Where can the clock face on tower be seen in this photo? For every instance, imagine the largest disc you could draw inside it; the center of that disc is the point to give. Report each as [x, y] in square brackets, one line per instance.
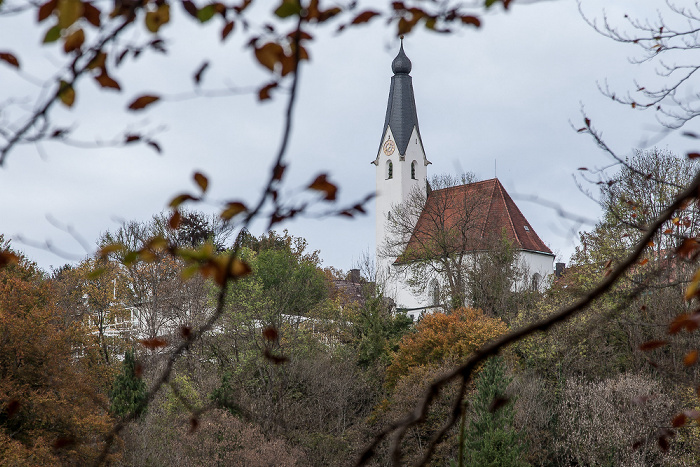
[389, 148]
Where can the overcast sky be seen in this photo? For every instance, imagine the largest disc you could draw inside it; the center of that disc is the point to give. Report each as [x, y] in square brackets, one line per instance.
[501, 99]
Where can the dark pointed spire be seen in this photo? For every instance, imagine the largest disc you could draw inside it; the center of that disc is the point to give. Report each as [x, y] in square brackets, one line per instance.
[401, 114]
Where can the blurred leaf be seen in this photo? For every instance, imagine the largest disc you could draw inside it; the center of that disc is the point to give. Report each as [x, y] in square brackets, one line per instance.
[269, 55]
[693, 155]
[174, 220]
[69, 11]
[651, 345]
[644, 261]
[153, 343]
[691, 358]
[159, 17]
[91, 14]
[46, 9]
[322, 184]
[201, 181]
[200, 71]
[179, 199]
[288, 8]
[206, 13]
[364, 17]
[275, 359]
[107, 82]
[694, 286]
[98, 61]
[108, 249]
[228, 28]
[74, 41]
[66, 93]
[264, 92]
[190, 8]
[473, 20]
[278, 172]
[12, 408]
[679, 420]
[52, 35]
[143, 101]
[7, 257]
[270, 333]
[9, 58]
[232, 209]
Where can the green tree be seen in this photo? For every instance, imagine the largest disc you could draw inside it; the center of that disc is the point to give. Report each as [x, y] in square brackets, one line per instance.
[128, 392]
[491, 440]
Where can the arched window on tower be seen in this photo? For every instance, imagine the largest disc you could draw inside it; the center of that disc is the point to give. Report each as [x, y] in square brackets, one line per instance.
[413, 170]
[389, 170]
[435, 291]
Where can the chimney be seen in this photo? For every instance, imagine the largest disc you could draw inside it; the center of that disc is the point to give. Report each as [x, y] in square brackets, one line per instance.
[559, 269]
[354, 276]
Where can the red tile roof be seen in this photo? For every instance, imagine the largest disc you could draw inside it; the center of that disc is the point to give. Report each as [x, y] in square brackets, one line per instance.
[471, 217]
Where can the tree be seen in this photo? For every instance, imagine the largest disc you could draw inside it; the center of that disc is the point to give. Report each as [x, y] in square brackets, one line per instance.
[441, 337]
[491, 439]
[128, 392]
[51, 400]
[667, 42]
[440, 248]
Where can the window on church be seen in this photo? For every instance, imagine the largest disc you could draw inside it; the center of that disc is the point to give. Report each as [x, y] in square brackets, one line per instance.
[389, 170]
[536, 279]
[413, 170]
[435, 292]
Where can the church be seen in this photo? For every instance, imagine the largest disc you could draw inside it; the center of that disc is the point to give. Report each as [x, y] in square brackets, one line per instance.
[472, 213]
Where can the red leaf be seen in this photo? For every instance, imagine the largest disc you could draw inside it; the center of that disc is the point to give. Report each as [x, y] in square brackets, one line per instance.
[227, 30]
[200, 72]
[143, 101]
[473, 20]
[153, 343]
[364, 17]
[132, 138]
[693, 155]
[190, 8]
[322, 184]
[691, 358]
[174, 221]
[91, 14]
[9, 58]
[264, 92]
[278, 172]
[107, 82]
[270, 333]
[651, 345]
[46, 9]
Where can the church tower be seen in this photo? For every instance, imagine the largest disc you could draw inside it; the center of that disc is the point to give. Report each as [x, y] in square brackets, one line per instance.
[401, 165]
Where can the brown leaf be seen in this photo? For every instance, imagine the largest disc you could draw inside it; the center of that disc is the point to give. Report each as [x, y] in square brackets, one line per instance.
[275, 359]
[691, 358]
[153, 343]
[194, 424]
[364, 17]
[64, 442]
[270, 333]
[228, 28]
[143, 101]
[190, 8]
[240, 268]
[66, 93]
[7, 257]
[473, 20]
[155, 19]
[9, 58]
[278, 172]
[651, 345]
[694, 287]
[200, 72]
[98, 61]
[12, 408]
[693, 155]
[69, 11]
[107, 82]
[185, 332]
[174, 221]
[201, 181]
[269, 55]
[46, 9]
[91, 14]
[689, 248]
[322, 184]
[155, 146]
[264, 92]
[108, 249]
[232, 209]
[644, 261]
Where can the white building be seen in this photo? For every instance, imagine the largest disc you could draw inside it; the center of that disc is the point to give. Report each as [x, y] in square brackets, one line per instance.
[402, 166]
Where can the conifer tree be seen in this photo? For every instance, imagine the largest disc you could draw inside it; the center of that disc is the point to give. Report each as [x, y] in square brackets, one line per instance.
[128, 391]
[491, 440]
